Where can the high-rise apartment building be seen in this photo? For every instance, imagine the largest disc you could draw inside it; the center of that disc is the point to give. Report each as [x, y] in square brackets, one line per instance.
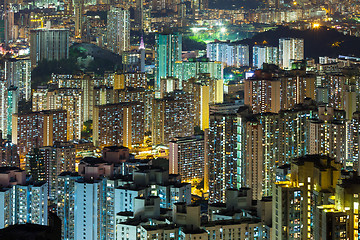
[46, 163]
[168, 84]
[257, 151]
[66, 203]
[327, 135]
[338, 219]
[87, 87]
[351, 103]
[37, 166]
[216, 51]
[312, 182]
[18, 74]
[339, 90]
[135, 80]
[79, 15]
[229, 54]
[118, 30]
[206, 91]
[296, 86]
[173, 117]
[259, 56]
[119, 124]
[262, 93]
[90, 201]
[192, 69]
[130, 94]
[38, 129]
[168, 49]
[187, 158]
[352, 143]
[290, 50]
[21, 201]
[266, 141]
[9, 99]
[85, 201]
[70, 100]
[103, 95]
[83, 83]
[264, 54]
[48, 44]
[222, 152]
[272, 55]
[232, 54]
[60, 158]
[3, 108]
[12, 107]
[9, 156]
[293, 131]
[272, 90]
[241, 56]
[39, 99]
[9, 34]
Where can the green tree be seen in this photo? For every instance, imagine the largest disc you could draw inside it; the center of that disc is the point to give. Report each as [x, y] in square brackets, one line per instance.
[87, 130]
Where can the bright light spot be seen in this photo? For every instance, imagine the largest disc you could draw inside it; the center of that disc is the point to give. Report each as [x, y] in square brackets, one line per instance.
[231, 76]
[195, 30]
[223, 30]
[316, 25]
[295, 3]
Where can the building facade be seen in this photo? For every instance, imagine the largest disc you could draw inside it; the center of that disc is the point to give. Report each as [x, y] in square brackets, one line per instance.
[21, 201]
[168, 49]
[118, 30]
[48, 44]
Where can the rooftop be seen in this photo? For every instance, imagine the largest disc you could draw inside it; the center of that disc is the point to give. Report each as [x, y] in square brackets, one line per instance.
[92, 160]
[8, 169]
[317, 159]
[232, 222]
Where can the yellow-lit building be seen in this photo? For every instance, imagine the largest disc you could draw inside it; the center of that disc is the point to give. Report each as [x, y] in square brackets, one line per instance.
[69, 99]
[187, 158]
[339, 219]
[103, 95]
[311, 184]
[206, 91]
[135, 80]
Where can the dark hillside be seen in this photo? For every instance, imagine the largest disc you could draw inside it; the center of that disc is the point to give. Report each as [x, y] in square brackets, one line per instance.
[318, 42]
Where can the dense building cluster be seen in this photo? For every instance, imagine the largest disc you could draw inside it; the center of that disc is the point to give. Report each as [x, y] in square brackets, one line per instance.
[154, 119]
